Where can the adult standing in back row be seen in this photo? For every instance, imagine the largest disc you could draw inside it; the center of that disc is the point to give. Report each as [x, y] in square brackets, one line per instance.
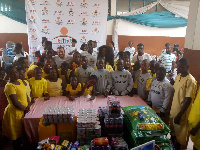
[140, 55]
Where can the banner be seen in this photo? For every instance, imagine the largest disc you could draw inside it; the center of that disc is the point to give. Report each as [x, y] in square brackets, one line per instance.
[62, 20]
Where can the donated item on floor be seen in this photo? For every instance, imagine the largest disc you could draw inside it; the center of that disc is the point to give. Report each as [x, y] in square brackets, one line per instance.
[100, 143]
[142, 125]
[87, 126]
[67, 131]
[118, 144]
[46, 130]
[111, 118]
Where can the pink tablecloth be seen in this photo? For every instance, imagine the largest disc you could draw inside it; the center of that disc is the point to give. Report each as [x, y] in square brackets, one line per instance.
[31, 119]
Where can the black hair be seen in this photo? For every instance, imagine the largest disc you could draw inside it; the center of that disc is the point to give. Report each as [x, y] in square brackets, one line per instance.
[113, 44]
[48, 44]
[140, 44]
[93, 77]
[60, 47]
[167, 44]
[18, 46]
[21, 60]
[163, 70]
[94, 41]
[76, 53]
[74, 40]
[2, 69]
[20, 67]
[8, 69]
[152, 61]
[56, 71]
[72, 75]
[128, 53]
[109, 57]
[65, 64]
[184, 61]
[44, 39]
[121, 53]
[82, 46]
[37, 69]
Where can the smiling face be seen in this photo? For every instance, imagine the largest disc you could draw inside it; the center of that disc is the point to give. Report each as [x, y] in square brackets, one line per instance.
[22, 74]
[74, 81]
[84, 61]
[61, 52]
[100, 63]
[38, 73]
[53, 74]
[120, 65]
[76, 58]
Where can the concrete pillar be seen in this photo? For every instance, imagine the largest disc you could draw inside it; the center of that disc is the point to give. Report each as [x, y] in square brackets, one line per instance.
[113, 7]
[192, 39]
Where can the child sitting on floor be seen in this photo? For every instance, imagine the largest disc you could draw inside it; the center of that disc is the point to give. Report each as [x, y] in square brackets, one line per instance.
[122, 80]
[104, 82]
[89, 87]
[83, 72]
[73, 90]
[55, 85]
[144, 80]
[38, 85]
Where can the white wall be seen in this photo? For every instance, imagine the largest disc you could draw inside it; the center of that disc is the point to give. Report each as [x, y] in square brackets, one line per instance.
[10, 26]
[132, 29]
[124, 28]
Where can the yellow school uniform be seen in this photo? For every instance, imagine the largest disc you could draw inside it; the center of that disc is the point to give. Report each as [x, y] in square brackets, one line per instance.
[184, 87]
[73, 92]
[12, 120]
[148, 84]
[108, 67]
[30, 71]
[88, 91]
[55, 88]
[38, 87]
[193, 120]
[28, 89]
[63, 76]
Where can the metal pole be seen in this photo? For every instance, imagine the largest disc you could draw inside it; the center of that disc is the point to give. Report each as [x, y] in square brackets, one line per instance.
[129, 5]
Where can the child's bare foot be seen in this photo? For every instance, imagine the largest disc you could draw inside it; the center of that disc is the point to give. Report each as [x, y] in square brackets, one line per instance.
[92, 98]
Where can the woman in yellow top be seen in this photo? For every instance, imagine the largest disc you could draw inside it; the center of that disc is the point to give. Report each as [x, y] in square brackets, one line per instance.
[64, 72]
[17, 104]
[194, 122]
[89, 87]
[39, 85]
[107, 53]
[55, 85]
[22, 78]
[73, 90]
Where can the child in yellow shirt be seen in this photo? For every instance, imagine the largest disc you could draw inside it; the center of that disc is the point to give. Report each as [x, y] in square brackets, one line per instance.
[73, 90]
[55, 85]
[89, 87]
[39, 84]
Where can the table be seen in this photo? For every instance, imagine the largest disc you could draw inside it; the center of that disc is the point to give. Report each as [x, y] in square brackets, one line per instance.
[32, 118]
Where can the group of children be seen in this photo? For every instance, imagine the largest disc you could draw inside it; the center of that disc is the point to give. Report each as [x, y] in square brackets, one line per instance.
[89, 73]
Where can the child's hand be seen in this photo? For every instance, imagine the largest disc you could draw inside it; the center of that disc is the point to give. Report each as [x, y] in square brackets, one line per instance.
[92, 98]
[116, 93]
[46, 96]
[27, 110]
[72, 98]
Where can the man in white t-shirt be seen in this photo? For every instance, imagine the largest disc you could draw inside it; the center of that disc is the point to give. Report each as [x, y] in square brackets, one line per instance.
[60, 58]
[131, 49]
[140, 55]
[71, 49]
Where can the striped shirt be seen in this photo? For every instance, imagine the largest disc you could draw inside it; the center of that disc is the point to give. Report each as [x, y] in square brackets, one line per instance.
[166, 60]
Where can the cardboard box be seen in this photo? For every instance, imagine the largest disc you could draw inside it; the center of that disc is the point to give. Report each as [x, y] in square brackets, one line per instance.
[54, 140]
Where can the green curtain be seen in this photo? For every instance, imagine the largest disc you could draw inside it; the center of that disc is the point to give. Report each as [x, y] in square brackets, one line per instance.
[163, 19]
[14, 9]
